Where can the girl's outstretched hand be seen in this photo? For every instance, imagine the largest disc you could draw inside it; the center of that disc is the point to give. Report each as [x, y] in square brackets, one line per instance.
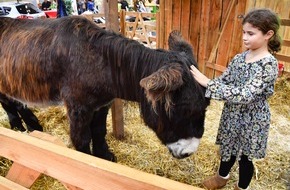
[199, 77]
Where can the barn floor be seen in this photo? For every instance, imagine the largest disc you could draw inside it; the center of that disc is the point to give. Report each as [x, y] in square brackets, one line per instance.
[141, 149]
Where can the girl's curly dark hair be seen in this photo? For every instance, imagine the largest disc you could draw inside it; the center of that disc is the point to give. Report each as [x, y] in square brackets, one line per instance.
[265, 20]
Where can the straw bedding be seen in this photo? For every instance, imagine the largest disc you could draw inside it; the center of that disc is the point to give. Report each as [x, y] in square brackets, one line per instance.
[141, 149]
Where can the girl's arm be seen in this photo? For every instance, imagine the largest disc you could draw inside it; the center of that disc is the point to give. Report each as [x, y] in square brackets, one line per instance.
[245, 94]
[226, 78]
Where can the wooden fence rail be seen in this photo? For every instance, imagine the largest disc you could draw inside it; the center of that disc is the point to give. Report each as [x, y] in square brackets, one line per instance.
[141, 27]
[286, 44]
[74, 169]
[95, 17]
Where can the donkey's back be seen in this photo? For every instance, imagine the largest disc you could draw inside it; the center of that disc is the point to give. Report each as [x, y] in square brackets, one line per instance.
[39, 57]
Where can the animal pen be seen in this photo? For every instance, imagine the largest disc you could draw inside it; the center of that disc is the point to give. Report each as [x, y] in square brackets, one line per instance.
[212, 27]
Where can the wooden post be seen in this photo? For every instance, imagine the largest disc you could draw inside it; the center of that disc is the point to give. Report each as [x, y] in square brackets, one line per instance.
[122, 22]
[112, 23]
[111, 12]
[161, 24]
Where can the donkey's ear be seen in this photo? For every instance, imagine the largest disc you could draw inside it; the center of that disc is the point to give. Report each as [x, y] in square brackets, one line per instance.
[166, 79]
[177, 43]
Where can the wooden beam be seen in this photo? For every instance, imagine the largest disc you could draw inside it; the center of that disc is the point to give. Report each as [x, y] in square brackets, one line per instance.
[25, 176]
[286, 43]
[123, 22]
[217, 67]
[161, 25]
[111, 14]
[158, 30]
[285, 21]
[22, 175]
[282, 57]
[76, 168]
[112, 23]
[118, 118]
[6, 184]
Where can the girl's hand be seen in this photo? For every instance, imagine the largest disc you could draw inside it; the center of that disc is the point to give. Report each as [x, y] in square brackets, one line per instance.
[198, 76]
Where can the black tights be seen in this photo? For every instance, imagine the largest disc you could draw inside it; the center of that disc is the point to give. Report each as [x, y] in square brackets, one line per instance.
[246, 170]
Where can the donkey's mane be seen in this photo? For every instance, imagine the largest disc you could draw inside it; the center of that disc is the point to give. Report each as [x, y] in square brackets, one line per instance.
[129, 60]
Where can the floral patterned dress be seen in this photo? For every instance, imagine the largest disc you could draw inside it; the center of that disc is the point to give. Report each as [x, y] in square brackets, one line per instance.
[245, 119]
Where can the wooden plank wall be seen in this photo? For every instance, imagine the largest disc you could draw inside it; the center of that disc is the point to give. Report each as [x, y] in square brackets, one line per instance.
[201, 22]
[213, 27]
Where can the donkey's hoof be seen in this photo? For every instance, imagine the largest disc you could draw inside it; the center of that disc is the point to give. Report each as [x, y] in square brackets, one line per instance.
[107, 156]
[111, 157]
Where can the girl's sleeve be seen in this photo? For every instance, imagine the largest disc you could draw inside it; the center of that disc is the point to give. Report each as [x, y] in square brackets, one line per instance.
[246, 93]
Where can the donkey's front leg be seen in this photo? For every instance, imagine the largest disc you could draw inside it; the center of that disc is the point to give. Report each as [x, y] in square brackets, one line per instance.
[14, 118]
[11, 110]
[80, 118]
[28, 117]
[99, 131]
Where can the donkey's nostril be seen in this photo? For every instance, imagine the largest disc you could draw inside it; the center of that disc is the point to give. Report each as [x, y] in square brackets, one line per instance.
[184, 155]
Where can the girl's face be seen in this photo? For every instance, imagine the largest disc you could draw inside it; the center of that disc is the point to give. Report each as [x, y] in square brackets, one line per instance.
[254, 38]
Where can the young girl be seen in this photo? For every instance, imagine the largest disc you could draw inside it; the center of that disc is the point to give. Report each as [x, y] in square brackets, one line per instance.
[245, 86]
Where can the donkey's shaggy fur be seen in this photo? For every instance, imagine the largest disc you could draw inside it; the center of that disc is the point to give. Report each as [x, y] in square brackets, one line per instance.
[72, 60]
